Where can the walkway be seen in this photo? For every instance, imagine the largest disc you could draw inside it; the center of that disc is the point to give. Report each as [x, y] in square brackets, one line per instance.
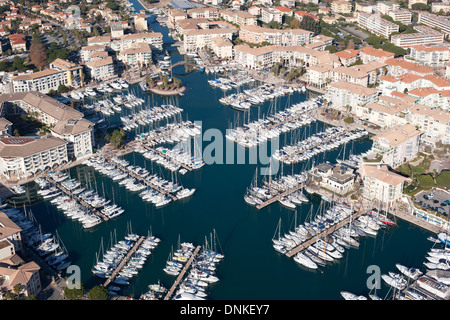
[182, 273]
[125, 260]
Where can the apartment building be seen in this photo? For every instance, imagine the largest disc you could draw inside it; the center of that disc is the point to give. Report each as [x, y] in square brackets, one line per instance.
[267, 56]
[271, 14]
[436, 7]
[434, 123]
[347, 56]
[343, 94]
[280, 37]
[153, 39]
[403, 16]
[408, 82]
[384, 115]
[384, 7]
[424, 36]
[10, 237]
[140, 21]
[206, 13]
[430, 97]
[241, 18]
[222, 47]
[397, 145]
[377, 25]
[101, 69]
[369, 54]
[196, 39]
[434, 21]
[397, 67]
[137, 54]
[22, 157]
[339, 6]
[65, 122]
[430, 55]
[382, 185]
[42, 81]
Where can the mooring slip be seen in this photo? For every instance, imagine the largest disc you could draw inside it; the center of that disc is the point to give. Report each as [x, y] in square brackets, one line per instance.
[323, 234]
[279, 196]
[182, 273]
[168, 158]
[77, 198]
[125, 260]
[135, 175]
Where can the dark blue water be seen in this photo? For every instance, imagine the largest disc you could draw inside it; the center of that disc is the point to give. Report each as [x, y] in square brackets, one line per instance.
[251, 268]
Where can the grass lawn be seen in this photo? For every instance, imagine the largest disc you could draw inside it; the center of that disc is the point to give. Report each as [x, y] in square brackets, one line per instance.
[443, 180]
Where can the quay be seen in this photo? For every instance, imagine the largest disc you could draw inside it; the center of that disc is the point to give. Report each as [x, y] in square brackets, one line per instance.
[148, 183]
[279, 196]
[416, 221]
[169, 158]
[125, 260]
[182, 273]
[323, 234]
[81, 201]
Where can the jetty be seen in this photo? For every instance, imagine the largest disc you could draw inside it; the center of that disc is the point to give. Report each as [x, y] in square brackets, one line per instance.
[165, 156]
[138, 177]
[182, 273]
[77, 198]
[323, 234]
[124, 261]
[279, 196]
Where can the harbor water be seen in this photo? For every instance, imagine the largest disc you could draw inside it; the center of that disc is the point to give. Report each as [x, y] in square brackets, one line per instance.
[251, 269]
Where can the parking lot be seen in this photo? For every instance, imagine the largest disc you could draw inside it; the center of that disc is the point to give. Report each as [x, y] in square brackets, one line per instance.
[434, 199]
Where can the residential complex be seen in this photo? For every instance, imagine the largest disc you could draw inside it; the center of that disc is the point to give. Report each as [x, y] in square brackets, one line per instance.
[434, 21]
[377, 25]
[424, 36]
[284, 37]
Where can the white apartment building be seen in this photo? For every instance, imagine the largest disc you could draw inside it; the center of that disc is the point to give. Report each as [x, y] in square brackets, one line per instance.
[342, 94]
[42, 81]
[223, 48]
[79, 135]
[430, 55]
[384, 7]
[280, 37]
[435, 21]
[424, 36]
[271, 14]
[21, 157]
[436, 7]
[377, 25]
[65, 122]
[369, 54]
[207, 13]
[397, 144]
[196, 39]
[380, 114]
[138, 54]
[267, 56]
[153, 39]
[404, 16]
[434, 123]
[100, 69]
[381, 185]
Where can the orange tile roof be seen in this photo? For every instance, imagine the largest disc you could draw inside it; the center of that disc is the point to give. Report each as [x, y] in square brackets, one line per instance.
[376, 52]
[409, 66]
[423, 92]
[346, 54]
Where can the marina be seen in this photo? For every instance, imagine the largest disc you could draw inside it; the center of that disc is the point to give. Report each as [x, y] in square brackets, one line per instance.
[246, 227]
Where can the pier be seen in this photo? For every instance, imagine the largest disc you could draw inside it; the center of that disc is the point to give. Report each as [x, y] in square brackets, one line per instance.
[182, 273]
[323, 234]
[279, 196]
[165, 156]
[148, 183]
[125, 260]
[81, 201]
[165, 133]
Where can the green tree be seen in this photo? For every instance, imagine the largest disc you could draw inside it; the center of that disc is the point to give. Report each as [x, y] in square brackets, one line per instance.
[62, 88]
[74, 293]
[98, 293]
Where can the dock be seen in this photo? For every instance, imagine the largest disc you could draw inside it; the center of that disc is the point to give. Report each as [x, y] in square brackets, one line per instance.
[77, 198]
[165, 133]
[279, 196]
[323, 234]
[148, 183]
[188, 168]
[182, 273]
[416, 221]
[124, 261]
